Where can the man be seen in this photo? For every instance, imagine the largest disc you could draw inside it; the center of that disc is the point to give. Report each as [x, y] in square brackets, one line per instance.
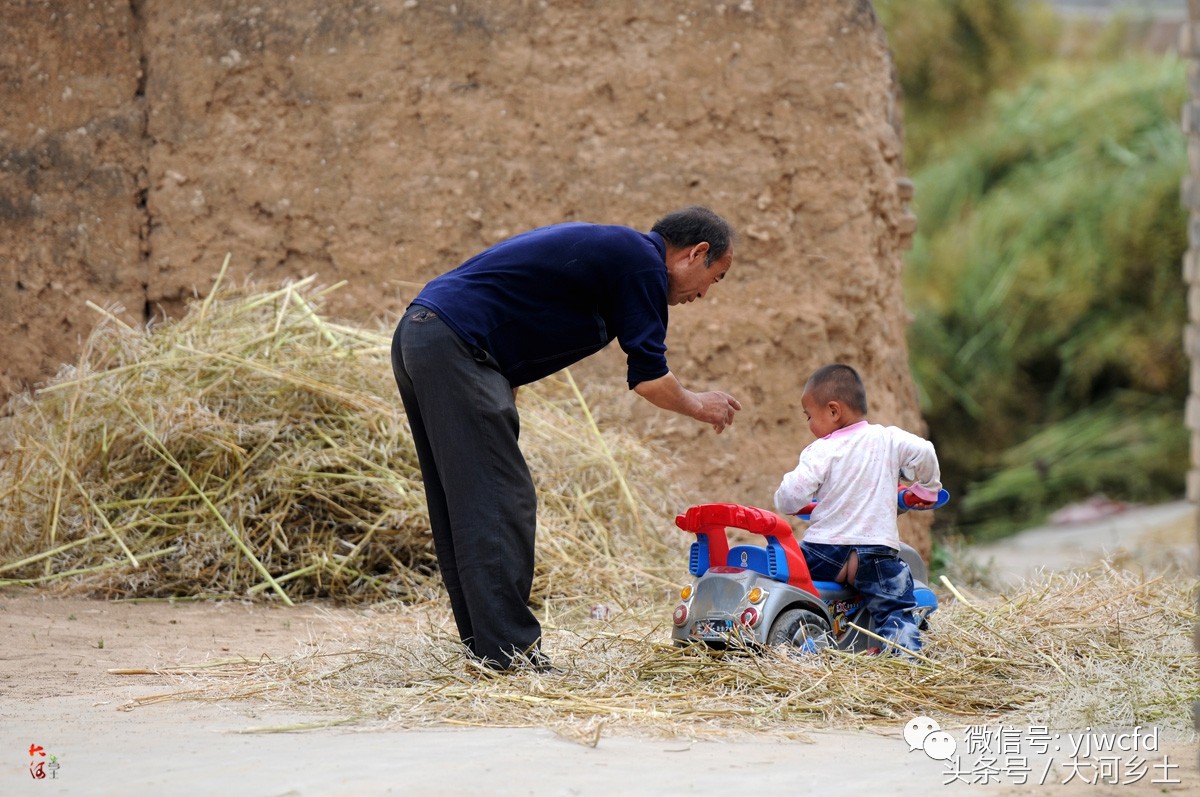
[521, 310]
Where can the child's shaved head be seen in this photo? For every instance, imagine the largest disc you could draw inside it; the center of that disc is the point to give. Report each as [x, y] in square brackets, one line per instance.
[838, 382]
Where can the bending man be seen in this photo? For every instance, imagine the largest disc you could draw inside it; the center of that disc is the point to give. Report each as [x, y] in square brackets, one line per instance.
[519, 311]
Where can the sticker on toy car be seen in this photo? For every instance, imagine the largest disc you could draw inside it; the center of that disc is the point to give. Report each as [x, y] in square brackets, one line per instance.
[712, 628]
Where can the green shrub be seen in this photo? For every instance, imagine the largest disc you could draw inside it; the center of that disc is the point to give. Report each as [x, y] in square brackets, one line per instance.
[951, 54]
[1046, 287]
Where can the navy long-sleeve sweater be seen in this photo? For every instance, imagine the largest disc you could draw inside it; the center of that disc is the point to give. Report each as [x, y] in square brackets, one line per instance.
[547, 298]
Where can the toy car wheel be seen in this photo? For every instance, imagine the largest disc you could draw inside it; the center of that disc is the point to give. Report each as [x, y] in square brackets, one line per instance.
[800, 628]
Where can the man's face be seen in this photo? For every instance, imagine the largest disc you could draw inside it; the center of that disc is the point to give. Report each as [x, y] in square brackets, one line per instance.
[690, 279]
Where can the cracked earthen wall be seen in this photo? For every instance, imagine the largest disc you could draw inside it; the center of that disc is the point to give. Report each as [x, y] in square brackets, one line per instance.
[381, 143]
[73, 157]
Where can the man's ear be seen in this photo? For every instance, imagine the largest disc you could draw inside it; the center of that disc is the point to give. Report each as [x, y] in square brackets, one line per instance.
[699, 250]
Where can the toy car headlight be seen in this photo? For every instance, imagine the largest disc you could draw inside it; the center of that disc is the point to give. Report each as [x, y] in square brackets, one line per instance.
[686, 592]
[681, 614]
[756, 595]
[749, 617]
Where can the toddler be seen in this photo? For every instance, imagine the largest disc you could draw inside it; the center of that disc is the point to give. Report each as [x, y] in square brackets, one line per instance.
[851, 471]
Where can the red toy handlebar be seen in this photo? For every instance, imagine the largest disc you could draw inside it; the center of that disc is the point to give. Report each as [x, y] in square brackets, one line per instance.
[710, 521]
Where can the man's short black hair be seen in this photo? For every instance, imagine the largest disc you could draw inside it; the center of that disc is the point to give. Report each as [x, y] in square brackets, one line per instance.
[695, 224]
[839, 382]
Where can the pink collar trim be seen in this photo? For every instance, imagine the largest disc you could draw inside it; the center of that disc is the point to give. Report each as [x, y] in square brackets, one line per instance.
[845, 431]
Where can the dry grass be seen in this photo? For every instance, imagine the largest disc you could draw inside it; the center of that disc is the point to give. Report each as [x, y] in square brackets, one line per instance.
[255, 450]
[1099, 648]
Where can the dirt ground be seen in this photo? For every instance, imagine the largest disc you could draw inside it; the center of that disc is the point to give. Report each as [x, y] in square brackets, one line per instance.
[58, 692]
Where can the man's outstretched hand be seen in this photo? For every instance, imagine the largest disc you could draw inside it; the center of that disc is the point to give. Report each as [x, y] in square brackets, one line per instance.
[717, 409]
[714, 407]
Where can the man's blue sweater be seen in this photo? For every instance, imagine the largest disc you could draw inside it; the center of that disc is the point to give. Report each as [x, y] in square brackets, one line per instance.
[547, 298]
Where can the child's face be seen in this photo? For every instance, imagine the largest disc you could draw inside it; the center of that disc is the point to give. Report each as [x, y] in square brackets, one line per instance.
[824, 418]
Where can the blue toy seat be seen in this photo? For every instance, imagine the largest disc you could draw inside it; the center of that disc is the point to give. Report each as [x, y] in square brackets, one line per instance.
[758, 559]
[832, 590]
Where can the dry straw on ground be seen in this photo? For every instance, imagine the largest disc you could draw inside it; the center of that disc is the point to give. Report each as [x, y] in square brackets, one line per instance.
[256, 450]
[1101, 648]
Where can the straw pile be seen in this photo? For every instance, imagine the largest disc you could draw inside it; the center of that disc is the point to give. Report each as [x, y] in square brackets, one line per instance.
[254, 448]
[1105, 647]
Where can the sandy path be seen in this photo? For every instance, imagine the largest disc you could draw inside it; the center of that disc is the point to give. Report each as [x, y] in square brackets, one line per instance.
[56, 692]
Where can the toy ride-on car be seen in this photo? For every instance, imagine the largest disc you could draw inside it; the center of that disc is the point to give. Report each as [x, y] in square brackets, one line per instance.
[752, 595]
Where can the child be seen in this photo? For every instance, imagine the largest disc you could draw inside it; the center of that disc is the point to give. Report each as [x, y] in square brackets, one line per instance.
[851, 470]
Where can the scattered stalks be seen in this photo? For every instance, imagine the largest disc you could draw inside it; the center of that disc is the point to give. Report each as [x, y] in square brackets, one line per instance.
[1057, 653]
[253, 450]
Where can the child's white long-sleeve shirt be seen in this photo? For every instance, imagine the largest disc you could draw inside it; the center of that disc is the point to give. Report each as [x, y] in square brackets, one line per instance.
[853, 474]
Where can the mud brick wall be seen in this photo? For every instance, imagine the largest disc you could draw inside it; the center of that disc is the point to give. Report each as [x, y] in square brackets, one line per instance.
[72, 177]
[381, 143]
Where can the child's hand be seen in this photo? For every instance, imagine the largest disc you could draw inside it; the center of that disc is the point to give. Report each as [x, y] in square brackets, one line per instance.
[908, 499]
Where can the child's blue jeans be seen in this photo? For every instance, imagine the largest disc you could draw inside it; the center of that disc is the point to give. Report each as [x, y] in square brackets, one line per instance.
[884, 580]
